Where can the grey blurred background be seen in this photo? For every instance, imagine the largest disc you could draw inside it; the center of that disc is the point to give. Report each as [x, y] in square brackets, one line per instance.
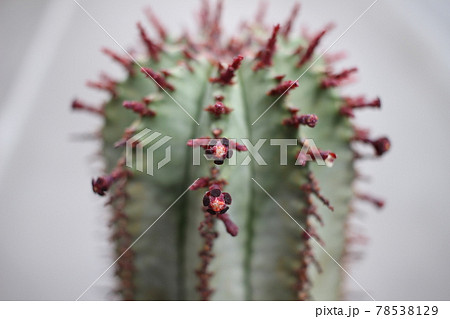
[53, 233]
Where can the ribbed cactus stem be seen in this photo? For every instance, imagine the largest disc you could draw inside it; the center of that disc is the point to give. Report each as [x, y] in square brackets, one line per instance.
[271, 194]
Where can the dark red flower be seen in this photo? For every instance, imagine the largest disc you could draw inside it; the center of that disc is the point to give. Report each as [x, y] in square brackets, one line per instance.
[216, 201]
[218, 150]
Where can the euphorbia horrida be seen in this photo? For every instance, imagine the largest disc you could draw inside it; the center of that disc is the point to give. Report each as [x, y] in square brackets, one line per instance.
[250, 231]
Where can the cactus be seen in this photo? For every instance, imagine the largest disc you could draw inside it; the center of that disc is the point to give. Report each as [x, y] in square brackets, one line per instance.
[251, 231]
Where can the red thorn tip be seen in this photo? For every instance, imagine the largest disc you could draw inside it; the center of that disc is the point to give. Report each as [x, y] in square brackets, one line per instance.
[279, 78]
[333, 80]
[124, 61]
[380, 145]
[78, 105]
[375, 201]
[261, 13]
[331, 58]
[202, 141]
[152, 48]
[200, 183]
[226, 76]
[312, 186]
[101, 185]
[106, 83]
[296, 120]
[217, 132]
[156, 24]
[231, 227]
[218, 109]
[361, 134]
[129, 132]
[204, 14]
[265, 55]
[214, 23]
[288, 26]
[312, 233]
[240, 148]
[356, 103]
[283, 88]
[311, 47]
[235, 46]
[158, 78]
[166, 73]
[188, 55]
[293, 110]
[139, 108]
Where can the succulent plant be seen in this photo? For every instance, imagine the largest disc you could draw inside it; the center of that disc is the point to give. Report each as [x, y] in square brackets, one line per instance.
[244, 224]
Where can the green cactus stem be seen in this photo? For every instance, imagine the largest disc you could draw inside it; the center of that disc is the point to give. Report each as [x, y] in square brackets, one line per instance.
[252, 231]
